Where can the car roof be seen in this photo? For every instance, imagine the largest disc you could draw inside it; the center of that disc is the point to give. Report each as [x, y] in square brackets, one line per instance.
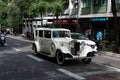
[52, 29]
[76, 33]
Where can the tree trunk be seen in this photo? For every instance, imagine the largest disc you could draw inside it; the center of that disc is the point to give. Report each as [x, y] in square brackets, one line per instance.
[115, 24]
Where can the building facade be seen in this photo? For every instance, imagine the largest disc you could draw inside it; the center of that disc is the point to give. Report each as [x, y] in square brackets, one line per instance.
[84, 16]
[91, 16]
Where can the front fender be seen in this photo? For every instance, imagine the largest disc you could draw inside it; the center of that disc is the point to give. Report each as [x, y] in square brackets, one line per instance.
[64, 50]
[86, 50]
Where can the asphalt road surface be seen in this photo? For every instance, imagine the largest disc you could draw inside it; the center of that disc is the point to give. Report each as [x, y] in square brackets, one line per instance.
[17, 62]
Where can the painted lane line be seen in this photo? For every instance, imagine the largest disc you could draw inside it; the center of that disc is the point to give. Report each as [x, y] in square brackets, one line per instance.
[71, 74]
[35, 58]
[16, 49]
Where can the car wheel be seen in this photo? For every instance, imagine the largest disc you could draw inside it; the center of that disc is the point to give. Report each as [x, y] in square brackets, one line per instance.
[35, 50]
[87, 60]
[60, 58]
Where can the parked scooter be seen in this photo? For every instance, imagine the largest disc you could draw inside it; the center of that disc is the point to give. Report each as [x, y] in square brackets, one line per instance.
[2, 39]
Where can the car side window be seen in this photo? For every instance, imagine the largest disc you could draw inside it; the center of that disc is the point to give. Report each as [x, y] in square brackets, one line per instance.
[55, 34]
[40, 33]
[47, 34]
[36, 33]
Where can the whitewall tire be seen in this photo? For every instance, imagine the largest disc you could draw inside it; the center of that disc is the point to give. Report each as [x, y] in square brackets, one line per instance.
[60, 58]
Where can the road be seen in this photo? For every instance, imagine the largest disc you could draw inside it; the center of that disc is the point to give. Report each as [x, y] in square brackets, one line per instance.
[17, 62]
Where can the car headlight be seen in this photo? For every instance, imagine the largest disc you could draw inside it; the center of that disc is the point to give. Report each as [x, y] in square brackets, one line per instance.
[71, 44]
[83, 43]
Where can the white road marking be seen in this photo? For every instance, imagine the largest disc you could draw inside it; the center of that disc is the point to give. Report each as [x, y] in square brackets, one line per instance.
[35, 58]
[71, 74]
[16, 49]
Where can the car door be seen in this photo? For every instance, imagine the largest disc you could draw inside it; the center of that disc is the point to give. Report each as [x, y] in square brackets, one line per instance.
[47, 42]
[41, 39]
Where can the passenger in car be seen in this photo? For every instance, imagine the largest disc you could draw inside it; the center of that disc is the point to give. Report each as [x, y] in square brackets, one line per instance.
[55, 34]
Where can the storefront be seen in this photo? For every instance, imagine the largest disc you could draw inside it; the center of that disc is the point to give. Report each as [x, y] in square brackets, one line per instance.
[67, 23]
[87, 26]
[99, 24]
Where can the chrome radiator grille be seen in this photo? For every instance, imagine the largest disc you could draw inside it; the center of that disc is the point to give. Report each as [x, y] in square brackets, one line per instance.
[76, 48]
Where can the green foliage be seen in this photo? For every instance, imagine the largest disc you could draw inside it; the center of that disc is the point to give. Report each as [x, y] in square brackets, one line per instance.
[106, 44]
[33, 12]
[23, 5]
[2, 12]
[13, 15]
[51, 26]
[2, 6]
[58, 7]
[111, 35]
[42, 6]
[37, 8]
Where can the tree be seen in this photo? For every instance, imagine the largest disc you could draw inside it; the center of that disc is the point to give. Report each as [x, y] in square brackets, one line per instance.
[13, 13]
[3, 13]
[115, 18]
[38, 9]
[17, 11]
[57, 7]
[23, 5]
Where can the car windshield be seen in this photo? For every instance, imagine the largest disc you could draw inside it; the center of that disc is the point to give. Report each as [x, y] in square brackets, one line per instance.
[61, 34]
[78, 36]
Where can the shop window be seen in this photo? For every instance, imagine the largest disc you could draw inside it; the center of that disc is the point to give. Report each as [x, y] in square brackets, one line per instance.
[99, 2]
[86, 3]
[103, 2]
[117, 1]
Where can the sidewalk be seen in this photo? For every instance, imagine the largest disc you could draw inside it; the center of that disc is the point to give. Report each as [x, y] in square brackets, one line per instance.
[109, 53]
[19, 37]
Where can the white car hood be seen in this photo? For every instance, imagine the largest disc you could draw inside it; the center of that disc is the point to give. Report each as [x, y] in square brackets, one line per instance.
[87, 42]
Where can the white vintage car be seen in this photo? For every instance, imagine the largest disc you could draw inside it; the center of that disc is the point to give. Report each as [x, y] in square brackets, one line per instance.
[57, 43]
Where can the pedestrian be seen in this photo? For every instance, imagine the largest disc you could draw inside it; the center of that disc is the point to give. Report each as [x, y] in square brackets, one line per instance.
[99, 36]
